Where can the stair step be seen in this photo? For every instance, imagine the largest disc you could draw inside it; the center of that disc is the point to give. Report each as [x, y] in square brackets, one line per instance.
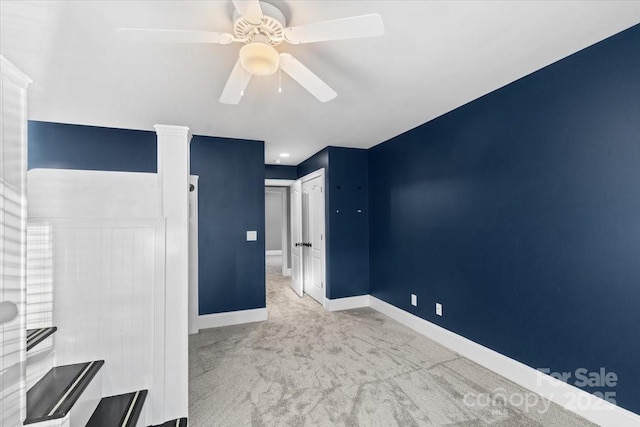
[180, 422]
[54, 395]
[118, 411]
[36, 336]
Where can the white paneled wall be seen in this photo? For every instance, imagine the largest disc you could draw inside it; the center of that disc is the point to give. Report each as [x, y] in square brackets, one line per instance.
[107, 294]
[40, 360]
[39, 298]
[108, 246]
[39, 275]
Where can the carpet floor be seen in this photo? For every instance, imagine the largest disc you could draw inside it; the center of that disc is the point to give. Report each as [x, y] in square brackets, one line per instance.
[309, 367]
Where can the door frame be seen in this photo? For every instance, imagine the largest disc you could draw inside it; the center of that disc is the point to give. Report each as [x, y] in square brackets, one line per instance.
[194, 310]
[297, 259]
[285, 184]
[284, 220]
[315, 174]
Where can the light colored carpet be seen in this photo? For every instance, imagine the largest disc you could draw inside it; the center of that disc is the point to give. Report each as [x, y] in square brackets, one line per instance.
[309, 367]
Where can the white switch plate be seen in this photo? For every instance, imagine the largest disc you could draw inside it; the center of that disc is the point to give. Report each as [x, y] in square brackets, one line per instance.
[439, 309]
[414, 300]
[252, 236]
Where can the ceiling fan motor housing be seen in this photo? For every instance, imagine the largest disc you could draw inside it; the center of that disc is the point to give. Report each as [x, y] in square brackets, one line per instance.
[269, 31]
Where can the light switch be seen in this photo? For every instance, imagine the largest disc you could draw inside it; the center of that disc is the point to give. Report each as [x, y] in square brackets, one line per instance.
[252, 236]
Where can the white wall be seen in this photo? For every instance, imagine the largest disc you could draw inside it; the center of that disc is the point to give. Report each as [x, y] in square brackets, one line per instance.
[273, 219]
[39, 310]
[108, 275]
[105, 298]
[39, 275]
[57, 193]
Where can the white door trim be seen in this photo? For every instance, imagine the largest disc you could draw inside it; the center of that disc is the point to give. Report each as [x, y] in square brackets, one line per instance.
[283, 190]
[308, 177]
[312, 175]
[193, 256]
[278, 182]
[297, 279]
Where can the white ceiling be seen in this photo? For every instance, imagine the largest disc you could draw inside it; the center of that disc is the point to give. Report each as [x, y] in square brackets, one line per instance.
[434, 57]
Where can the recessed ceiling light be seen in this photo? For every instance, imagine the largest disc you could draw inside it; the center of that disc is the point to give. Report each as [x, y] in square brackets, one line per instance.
[284, 154]
[278, 161]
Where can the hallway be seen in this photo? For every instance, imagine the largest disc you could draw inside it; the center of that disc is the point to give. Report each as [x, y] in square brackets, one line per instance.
[309, 367]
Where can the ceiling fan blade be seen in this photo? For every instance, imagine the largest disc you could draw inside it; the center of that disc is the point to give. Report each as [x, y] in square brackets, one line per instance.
[336, 29]
[306, 78]
[250, 10]
[236, 84]
[174, 36]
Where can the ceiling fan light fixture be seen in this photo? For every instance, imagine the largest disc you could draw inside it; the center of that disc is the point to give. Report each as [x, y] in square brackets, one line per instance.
[259, 59]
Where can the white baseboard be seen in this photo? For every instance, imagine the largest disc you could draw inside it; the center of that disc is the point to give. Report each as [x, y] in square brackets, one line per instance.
[232, 318]
[346, 303]
[570, 397]
[274, 252]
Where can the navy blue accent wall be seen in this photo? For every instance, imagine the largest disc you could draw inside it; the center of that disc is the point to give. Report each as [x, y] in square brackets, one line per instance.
[346, 192]
[64, 146]
[520, 212]
[231, 202]
[280, 172]
[349, 225]
[231, 198]
[317, 161]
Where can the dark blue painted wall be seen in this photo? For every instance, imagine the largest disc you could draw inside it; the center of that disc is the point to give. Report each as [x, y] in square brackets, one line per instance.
[520, 212]
[346, 192]
[64, 146]
[317, 161]
[231, 201]
[280, 172]
[231, 198]
[349, 222]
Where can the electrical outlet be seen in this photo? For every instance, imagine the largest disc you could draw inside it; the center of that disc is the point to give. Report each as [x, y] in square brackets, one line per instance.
[439, 309]
[414, 300]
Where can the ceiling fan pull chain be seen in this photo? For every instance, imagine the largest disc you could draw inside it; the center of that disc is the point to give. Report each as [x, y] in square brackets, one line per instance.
[279, 80]
[241, 81]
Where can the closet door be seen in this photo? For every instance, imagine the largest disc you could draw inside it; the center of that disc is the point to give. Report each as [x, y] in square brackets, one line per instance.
[13, 216]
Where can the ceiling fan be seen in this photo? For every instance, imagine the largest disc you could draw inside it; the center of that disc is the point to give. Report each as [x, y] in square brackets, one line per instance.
[262, 26]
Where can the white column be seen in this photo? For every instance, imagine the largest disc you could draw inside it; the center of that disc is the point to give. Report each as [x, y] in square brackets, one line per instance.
[13, 226]
[173, 175]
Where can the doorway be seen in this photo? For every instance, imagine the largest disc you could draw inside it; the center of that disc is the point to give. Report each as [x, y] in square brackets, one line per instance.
[278, 224]
[308, 236]
[277, 227]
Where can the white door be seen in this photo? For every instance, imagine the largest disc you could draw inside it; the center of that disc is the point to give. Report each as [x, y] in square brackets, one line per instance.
[296, 238]
[313, 236]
